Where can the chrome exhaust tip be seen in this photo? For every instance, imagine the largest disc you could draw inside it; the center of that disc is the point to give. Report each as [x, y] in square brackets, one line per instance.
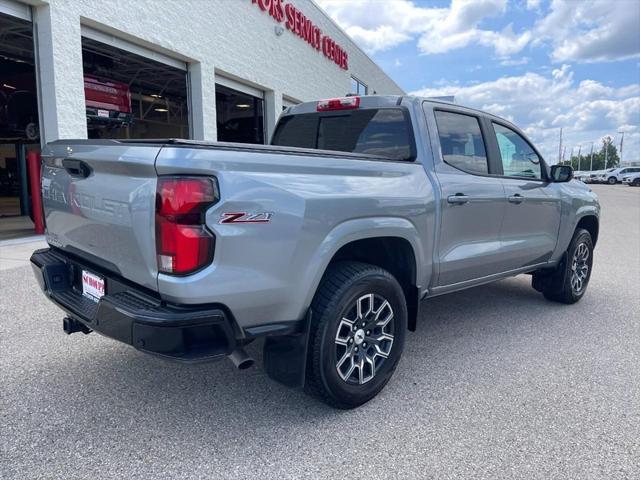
[241, 359]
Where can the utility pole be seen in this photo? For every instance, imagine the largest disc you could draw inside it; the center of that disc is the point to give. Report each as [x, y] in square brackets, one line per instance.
[560, 153]
[591, 164]
[564, 150]
[571, 157]
[579, 158]
[606, 153]
[621, 140]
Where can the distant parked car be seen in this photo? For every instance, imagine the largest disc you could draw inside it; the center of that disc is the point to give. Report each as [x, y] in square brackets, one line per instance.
[615, 175]
[633, 180]
[590, 176]
[582, 176]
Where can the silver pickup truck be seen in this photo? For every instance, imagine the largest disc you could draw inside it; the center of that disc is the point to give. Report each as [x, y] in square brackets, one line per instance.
[324, 243]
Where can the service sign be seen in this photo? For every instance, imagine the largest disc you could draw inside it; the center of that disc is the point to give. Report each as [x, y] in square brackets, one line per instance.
[296, 22]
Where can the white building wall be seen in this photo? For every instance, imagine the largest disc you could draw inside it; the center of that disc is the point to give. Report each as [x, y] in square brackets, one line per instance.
[233, 38]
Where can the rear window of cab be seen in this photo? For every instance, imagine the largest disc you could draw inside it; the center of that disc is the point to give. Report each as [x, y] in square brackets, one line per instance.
[383, 132]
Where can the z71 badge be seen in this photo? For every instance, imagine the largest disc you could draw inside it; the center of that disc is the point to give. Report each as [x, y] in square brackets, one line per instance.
[244, 217]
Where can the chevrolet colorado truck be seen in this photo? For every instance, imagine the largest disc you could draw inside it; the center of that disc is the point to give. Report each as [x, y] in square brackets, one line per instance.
[324, 243]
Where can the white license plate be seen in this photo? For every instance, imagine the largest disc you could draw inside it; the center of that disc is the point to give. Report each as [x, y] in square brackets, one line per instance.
[92, 285]
[103, 113]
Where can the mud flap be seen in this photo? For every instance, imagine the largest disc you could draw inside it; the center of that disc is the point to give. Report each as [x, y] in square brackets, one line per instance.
[285, 356]
[550, 279]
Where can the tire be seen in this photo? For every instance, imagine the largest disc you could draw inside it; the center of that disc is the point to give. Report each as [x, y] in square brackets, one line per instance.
[346, 366]
[31, 131]
[568, 283]
[612, 180]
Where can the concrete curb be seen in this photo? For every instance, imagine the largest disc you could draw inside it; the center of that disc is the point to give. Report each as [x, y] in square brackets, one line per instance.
[21, 240]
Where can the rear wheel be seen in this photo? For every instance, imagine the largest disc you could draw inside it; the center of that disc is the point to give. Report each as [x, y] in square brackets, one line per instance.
[612, 180]
[357, 334]
[568, 282]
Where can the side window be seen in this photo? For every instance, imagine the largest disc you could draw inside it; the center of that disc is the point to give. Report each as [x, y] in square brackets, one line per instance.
[518, 158]
[461, 142]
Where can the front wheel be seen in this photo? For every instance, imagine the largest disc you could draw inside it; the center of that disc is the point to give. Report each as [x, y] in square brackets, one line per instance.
[357, 334]
[568, 282]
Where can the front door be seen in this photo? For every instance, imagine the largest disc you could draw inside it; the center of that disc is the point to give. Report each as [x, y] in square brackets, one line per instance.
[532, 216]
[472, 201]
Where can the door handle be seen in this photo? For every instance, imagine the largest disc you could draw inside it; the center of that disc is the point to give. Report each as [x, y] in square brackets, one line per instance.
[76, 168]
[458, 199]
[517, 199]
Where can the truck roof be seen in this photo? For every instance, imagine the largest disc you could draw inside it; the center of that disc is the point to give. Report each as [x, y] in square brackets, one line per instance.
[386, 101]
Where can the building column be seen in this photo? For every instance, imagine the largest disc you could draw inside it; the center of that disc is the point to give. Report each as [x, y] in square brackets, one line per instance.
[202, 85]
[60, 74]
[272, 111]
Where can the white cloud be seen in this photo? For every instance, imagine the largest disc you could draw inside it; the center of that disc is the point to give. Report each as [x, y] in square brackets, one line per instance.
[591, 31]
[533, 4]
[382, 38]
[541, 104]
[380, 25]
[581, 31]
[514, 62]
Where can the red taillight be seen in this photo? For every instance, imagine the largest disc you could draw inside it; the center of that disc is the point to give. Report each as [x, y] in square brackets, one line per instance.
[346, 103]
[183, 243]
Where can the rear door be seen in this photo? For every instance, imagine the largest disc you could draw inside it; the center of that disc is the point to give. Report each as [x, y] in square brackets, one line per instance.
[99, 203]
[532, 216]
[472, 200]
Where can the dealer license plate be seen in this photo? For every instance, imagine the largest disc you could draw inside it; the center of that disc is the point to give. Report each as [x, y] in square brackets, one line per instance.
[92, 285]
[103, 113]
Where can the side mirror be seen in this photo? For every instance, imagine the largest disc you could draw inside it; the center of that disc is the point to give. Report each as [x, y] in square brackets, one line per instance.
[561, 173]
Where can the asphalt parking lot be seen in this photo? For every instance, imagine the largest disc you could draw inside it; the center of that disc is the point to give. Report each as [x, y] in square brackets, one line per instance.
[496, 383]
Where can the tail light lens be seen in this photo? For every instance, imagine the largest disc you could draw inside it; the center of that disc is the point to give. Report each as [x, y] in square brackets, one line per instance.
[183, 243]
[346, 103]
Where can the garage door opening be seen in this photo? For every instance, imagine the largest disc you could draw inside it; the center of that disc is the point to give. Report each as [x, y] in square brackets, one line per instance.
[239, 115]
[19, 128]
[131, 96]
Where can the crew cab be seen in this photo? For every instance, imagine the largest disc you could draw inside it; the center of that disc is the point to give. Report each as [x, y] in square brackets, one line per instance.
[325, 243]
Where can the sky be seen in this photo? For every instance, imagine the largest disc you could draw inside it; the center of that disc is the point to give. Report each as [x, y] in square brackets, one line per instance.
[542, 64]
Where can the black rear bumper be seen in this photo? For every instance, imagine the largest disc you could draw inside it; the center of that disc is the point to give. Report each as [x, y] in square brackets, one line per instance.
[134, 316]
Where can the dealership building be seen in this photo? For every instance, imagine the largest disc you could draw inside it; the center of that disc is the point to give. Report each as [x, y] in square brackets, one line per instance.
[202, 69]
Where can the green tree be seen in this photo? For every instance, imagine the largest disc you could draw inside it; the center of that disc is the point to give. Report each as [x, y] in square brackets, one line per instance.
[608, 151]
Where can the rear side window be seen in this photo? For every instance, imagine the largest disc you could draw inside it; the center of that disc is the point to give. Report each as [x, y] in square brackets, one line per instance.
[461, 142]
[384, 132]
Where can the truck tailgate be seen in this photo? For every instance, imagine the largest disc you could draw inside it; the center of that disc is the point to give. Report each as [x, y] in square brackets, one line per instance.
[99, 203]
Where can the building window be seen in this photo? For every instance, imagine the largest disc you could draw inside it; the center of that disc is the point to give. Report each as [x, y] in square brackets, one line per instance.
[240, 116]
[358, 87]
